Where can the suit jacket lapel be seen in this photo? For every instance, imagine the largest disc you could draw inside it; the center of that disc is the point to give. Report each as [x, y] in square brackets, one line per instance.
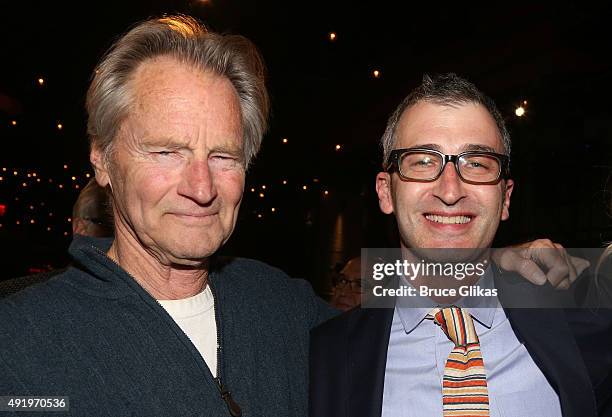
[551, 344]
[367, 356]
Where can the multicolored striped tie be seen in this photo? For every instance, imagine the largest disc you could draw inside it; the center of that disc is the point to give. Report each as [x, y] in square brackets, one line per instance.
[464, 387]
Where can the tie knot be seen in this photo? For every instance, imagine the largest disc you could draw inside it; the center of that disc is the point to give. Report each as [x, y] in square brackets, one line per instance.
[457, 325]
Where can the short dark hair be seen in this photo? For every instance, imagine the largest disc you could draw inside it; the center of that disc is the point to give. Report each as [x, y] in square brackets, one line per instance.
[446, 90]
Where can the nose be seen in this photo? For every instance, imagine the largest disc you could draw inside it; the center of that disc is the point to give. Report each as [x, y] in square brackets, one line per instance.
[197, 183]
[449, 187]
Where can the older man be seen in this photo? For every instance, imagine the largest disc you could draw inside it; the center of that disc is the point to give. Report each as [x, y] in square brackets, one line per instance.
[150, 324]
[447, 184]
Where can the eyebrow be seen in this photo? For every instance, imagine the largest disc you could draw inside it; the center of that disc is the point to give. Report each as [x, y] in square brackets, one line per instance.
[234, 150]
[464, 148]
[169, 143]
[431, 146]
[476, 147]
[164, 142]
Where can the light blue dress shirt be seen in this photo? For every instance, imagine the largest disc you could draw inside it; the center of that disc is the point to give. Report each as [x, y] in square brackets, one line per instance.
[418, 350]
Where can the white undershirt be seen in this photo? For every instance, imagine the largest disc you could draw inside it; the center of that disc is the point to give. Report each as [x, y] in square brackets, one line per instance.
[196, 317]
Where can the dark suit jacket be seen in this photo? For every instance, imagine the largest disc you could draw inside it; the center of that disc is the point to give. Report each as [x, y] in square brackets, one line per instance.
[349, 353]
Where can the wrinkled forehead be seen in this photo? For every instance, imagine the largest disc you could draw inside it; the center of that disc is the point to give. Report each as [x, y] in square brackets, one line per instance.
[449, 128]
[164, 78]
[174, 103]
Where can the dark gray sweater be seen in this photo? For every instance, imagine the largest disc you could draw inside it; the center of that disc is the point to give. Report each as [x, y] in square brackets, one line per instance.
[94, 335]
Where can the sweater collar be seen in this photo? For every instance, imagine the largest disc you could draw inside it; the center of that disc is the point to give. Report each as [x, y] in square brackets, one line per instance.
[110, 279]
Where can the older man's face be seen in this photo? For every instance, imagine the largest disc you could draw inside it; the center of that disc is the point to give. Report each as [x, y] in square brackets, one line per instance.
[426, 212]
[346, 293]
[177, 172]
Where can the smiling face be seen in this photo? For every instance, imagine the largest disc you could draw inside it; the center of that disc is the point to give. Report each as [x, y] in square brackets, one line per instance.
[177, 168]
[446, 213]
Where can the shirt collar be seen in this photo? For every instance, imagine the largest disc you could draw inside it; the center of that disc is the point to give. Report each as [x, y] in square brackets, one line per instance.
[413, 310]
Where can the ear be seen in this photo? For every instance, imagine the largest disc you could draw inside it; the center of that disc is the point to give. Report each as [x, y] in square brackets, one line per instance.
[506, 203]
[383, 189]
[99, 163]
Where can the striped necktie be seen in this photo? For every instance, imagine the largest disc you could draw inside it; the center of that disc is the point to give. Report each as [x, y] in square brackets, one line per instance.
[464, 387]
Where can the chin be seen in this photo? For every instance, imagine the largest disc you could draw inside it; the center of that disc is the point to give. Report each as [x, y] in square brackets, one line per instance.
[189, 259]
[448, 242]
[447, 250]
[192, 251]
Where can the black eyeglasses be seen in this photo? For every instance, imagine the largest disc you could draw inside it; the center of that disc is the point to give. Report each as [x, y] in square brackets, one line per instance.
[340, 281]
[426, 165]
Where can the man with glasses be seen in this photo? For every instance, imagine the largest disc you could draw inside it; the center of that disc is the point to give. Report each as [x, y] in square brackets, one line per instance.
[477, 166]
[346, 292]
[153, 323]
[446, 180]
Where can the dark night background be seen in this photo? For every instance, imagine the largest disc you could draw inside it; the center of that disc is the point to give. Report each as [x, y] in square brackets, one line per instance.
[557, 58]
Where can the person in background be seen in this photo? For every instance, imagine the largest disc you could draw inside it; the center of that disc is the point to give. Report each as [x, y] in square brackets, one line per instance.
[90, 217]
[346, 290]
[91, 214]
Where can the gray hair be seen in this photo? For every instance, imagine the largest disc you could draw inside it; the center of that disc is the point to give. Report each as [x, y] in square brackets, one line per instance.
[446, 90]
[109, 97]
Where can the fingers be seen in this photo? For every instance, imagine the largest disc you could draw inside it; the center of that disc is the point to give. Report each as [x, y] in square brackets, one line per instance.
[555, 263]
[575, 267]
[519, 261]
[548, 255]
[540, 261]
[561, 272]
[538, 243]
[580, 264]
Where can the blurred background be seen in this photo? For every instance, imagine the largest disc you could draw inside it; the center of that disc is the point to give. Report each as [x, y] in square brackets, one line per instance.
[337, 69]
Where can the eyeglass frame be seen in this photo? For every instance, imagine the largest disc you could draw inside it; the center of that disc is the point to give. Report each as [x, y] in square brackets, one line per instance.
[354, 285]
[504, 164]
